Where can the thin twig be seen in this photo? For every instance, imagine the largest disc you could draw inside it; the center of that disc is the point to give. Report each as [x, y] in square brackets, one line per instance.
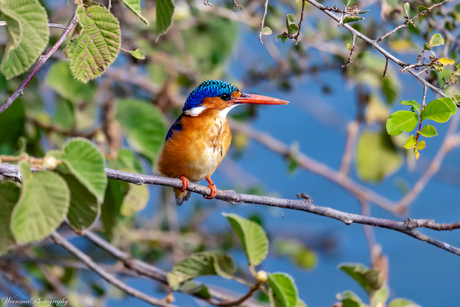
[241, 300]
[353, 128]
[150, 271]
[303, 204]
[263, 21]
[300, 22]
[410, 20]
[352, 49]
[60, 240]
[51, 25]
[20, 90]
[236, 6]
[374, 44]
[386, 68]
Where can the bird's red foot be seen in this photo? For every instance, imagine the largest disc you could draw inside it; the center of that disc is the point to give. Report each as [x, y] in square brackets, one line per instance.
[212, 186]
[184, 183]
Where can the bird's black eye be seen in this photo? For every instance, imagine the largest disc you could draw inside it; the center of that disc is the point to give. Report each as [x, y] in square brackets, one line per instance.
[225, 97]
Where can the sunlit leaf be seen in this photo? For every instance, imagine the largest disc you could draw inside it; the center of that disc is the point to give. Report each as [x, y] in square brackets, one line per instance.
[97, 45]
[135, 7]
[421, 145]
[27, 35]
[349, 299]
[412, 103]
[135, 200]
[428, 131]
[352, 19]
[380, 296]
[267, 31]
[410, 143]
[436, 40]
[445, 61]
[284, 288]
[138, 54]
[440, 110]
[407, 9]
[201, 264]
[252, 237]
[44, 201]
[401, 121]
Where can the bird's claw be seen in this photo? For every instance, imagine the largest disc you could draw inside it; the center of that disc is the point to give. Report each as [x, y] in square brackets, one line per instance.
[212, 186]
[184, 183]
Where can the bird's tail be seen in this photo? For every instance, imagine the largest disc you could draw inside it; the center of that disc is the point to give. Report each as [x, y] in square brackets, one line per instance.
[181, 196]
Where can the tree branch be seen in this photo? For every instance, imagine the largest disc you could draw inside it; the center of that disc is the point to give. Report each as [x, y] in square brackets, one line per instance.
[305, 205]
[51, 25]
[374, 44]
[263, 21]
[58, 239]
[20, 90]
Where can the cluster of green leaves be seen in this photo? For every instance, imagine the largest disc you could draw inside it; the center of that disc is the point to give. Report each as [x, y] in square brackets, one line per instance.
[439, 110]
[372, 282]
[36, 207]
[280, 287]
[95, 43]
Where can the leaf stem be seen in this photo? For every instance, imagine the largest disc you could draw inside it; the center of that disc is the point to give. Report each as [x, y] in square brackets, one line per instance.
[42, 59]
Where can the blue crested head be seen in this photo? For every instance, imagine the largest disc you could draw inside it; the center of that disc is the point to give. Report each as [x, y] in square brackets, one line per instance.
[210, 88]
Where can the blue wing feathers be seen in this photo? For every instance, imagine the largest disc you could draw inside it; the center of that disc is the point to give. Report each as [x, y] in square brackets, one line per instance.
[177, 126]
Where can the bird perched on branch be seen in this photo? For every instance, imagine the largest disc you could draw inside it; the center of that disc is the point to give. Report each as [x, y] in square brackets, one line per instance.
[199, 139]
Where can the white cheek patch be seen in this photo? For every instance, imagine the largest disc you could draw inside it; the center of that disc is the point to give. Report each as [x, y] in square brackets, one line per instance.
[195, 111]
[223, 113]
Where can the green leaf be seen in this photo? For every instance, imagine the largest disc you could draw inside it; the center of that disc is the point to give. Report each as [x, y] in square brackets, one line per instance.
[402, 302]
[290, 20]
[86, 163]
[412, 103]
[12, 120]
[284, 288]
[407, 9]
[9, 195]
[300, 255]
[135, 7]
[357, 272]
[60, 79]
[349, 299]
[97, 45]
[110, 210]
[135, 200]
[165, 11]
[126, 161]
[401, 121]
[429, 131]
[436, 40]
[376, 156]
[27, 35]
[380, 296]
[422, 8]
[421, 145]
[84, 208]
[44, 202]
[293, 29]
[267, 31]
[456, 98]
[352, 19]
[440, 110]
[191, 288]
[426, 46]
[252, 237]
[410, 143]
[138, 54]
[143, 125]
[201, 264]
[300, 303]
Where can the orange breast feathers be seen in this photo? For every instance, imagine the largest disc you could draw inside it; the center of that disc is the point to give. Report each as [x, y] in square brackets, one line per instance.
[197, 149]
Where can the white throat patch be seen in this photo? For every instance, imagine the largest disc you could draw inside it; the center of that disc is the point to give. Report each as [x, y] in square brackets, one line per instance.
[223, 113]
[195, 111]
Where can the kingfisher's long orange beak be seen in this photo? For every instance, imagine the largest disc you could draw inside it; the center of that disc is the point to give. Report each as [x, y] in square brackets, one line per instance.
[258, 99]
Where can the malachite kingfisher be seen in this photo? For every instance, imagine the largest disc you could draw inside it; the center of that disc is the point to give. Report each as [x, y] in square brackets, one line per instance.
[199, 139]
